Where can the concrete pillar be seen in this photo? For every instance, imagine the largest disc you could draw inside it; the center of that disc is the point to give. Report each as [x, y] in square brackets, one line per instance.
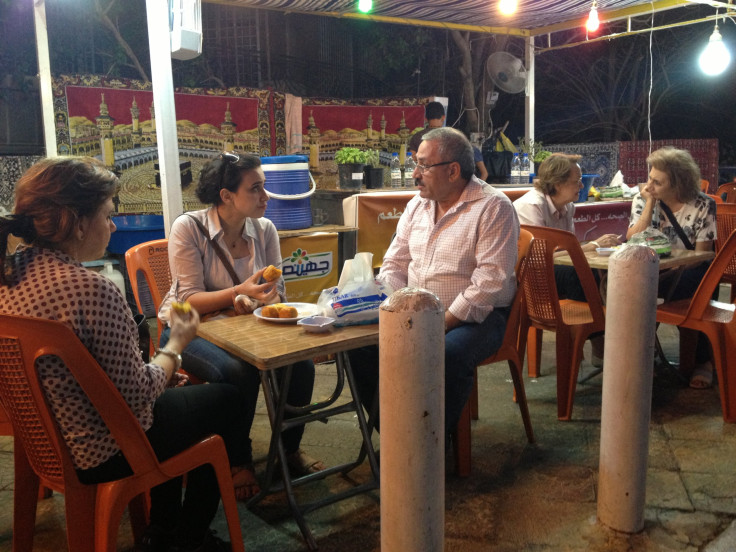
[412, 408]
[627, 387]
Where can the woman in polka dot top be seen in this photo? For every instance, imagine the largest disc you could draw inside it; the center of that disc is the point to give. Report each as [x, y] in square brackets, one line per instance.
[63, 209]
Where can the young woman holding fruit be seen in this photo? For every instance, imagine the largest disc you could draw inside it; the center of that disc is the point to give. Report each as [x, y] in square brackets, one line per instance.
[233, 185]
[63, 209]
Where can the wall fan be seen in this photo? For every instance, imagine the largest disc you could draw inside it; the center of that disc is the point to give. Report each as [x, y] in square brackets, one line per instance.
[507, 72]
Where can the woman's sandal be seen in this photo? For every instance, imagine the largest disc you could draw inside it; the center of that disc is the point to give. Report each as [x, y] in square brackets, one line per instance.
[245, 482]
[702, 377]
[300, 463]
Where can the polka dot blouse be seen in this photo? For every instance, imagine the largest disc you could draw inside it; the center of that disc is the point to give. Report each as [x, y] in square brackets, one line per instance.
[52, 285]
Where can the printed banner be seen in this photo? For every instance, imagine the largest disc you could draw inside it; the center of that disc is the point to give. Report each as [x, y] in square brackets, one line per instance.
[308, 265]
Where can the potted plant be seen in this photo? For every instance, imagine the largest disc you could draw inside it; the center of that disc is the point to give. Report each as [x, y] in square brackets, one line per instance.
[350, 163]
[373, 169]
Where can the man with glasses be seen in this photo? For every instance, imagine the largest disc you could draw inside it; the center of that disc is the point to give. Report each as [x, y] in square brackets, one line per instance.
[458, 239]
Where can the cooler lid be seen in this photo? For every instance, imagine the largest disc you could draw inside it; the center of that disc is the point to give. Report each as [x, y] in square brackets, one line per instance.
[279, 159]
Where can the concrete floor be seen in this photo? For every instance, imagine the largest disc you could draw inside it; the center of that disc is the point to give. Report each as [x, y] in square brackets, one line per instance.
[539, 497]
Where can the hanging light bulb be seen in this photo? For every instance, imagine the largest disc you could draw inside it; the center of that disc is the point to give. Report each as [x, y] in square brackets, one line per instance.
[365, 6]
[593, 21]
[507, 7]
[716, 57]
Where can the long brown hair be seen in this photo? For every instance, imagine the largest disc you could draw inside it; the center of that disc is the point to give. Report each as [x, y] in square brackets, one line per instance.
[51, 197]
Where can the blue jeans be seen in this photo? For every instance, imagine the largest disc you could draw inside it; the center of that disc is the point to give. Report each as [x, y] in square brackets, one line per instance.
[208, 362]
[465, 347]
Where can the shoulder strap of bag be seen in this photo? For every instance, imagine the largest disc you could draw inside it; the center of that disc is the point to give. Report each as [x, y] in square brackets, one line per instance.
[218, 251]
[676, 225]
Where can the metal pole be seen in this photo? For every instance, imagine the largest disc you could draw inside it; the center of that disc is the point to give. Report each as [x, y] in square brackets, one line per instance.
[44, 77]
[159, 41]
[627, 387]
[412, 409]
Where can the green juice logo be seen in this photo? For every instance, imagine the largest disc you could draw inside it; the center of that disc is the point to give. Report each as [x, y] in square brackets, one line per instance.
[302, 265]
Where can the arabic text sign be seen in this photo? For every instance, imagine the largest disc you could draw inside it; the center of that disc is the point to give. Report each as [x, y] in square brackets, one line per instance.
[308, 265]
[594, 219]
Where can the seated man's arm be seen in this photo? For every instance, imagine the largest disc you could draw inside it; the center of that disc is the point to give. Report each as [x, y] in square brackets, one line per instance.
[493, 282]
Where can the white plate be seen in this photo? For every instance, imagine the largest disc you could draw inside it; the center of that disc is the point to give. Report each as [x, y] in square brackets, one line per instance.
[303, 310]
[605, 251]
[316, 324]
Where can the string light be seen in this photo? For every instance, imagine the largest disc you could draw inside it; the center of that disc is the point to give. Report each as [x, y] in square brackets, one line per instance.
[365, 6]
[593, 21]
[507, 7]
[716, 57]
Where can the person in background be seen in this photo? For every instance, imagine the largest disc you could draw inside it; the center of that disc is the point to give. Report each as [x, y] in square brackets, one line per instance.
[480, 167]
[674, 186]
[434, 114]
[233, 185]
[551, 204]
[457, 238]
[63, 209]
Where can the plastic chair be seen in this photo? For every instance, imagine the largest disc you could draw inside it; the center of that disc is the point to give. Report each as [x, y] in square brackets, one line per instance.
[704, 185]
[150, 277]
[572, 321]
[511, 350]
[715, 320]
[729, 189]
[726, 224]
[93, 512]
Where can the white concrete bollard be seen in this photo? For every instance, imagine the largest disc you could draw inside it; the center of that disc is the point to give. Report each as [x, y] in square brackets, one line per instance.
[412, 409]
[627, 387]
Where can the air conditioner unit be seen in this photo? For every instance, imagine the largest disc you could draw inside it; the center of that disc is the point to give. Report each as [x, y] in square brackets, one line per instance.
[185, 24]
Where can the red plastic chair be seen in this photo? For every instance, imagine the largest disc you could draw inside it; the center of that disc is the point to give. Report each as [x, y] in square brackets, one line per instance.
[572, 321]
[714, 319]
[93, 512]
[726, 224]
[729, 188]
[511, 350]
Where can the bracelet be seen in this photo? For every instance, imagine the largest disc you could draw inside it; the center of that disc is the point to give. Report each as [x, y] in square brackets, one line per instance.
[176, 357]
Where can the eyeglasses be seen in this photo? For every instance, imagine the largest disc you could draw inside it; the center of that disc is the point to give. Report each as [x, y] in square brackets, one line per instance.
[424, 168]
[230, 156]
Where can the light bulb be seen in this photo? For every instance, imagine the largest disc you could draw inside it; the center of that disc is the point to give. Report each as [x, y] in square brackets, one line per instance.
[593, 22]
[507, 7]
[716, 57]
[365, 5]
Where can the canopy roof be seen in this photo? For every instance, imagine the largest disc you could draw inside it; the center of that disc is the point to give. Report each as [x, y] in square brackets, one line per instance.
[533, 17]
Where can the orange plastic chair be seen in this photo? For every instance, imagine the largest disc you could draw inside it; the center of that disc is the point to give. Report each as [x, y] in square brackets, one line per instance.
[714, 319]
[726, 224]
[511, 350]
[93, 512]
[704, 185]
[150, 278]
[729, 189]
[572, 321]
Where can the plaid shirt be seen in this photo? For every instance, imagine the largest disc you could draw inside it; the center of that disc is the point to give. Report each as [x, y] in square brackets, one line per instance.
[467, 258]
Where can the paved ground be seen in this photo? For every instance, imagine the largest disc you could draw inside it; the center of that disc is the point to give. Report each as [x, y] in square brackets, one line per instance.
[539, 497]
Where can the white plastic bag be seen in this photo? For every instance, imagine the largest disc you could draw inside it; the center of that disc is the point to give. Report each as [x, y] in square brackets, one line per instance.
[357, 296]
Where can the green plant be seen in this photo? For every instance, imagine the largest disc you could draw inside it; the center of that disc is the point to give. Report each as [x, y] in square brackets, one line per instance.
[373, 158]
[534, 149]
[350, 155]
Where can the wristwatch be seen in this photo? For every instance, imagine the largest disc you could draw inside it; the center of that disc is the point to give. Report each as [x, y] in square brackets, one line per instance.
[176, 357]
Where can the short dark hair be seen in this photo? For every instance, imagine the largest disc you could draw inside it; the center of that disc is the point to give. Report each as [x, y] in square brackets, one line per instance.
[434, 110]
[454, 146]
[224, 171]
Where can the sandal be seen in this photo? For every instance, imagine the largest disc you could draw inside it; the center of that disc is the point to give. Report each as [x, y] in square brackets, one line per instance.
[300, 463]
[245, 482]
[702, 377]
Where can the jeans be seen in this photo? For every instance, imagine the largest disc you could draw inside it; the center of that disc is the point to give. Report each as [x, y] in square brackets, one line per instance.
[181, 417]
[208, 362]
[465, 347]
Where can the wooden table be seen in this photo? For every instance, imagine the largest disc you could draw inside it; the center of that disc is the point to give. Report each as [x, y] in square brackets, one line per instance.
[269, 345]
[680, 258]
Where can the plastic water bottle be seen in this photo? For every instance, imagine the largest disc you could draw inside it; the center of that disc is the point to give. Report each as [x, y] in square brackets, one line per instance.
[525, 170]
[395, 171]
[516, 170]
[114, 275]
[409, 166]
